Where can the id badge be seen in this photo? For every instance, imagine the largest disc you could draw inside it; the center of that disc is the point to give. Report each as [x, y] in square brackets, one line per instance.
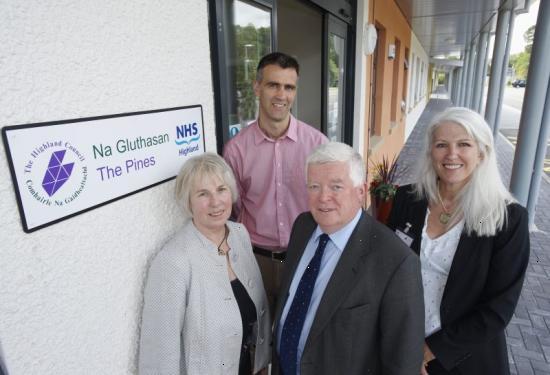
[404, 236]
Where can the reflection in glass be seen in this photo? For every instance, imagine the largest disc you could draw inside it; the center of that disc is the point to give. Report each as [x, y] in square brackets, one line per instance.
[250, 33]
[335, 90]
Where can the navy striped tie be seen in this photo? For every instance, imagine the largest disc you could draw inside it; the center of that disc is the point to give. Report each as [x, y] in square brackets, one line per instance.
[294, 322]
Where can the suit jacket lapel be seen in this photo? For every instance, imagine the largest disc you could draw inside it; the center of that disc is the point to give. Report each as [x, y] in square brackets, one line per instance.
[343, 278]
[417, 214]
[467, 245]
[418, 209]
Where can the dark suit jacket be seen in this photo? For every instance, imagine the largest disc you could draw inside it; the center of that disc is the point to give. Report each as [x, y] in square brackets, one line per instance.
[482, 289]
[371, 316]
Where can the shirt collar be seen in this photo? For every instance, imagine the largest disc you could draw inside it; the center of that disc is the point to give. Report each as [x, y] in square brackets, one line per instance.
[291, 132]
[341, 237]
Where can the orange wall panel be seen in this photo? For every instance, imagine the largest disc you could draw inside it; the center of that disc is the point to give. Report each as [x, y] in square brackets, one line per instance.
[386, 15]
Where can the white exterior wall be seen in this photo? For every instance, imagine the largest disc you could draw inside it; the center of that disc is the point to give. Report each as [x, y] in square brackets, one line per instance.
[360, 125]
[417, 98]
[71, 293]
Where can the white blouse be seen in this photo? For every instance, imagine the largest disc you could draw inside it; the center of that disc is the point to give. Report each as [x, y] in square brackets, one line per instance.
[436, 257]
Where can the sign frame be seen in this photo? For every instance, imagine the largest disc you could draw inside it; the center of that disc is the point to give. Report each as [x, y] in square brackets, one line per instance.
[15, 182]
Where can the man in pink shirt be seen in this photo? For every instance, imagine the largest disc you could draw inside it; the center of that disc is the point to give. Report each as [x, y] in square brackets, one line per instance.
[268, 159]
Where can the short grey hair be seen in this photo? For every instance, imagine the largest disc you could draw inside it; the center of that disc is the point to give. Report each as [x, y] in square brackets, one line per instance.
[339, 152]
[484, 198]
[198, 167]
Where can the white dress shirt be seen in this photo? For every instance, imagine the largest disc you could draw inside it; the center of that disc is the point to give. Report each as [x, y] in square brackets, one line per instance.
[436, 257]
[331, 256]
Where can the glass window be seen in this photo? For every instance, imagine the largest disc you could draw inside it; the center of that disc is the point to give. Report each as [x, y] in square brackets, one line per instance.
[335, 79]
[250, 39]
[335, 90]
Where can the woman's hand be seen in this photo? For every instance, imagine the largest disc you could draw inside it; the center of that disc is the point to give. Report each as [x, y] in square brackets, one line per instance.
[428, 356]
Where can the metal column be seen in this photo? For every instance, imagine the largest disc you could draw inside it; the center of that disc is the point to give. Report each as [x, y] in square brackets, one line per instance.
[464, 76]
[539, 160]
[480, 67]
[495, 82]
[503, 74]
[450, 84]
[458, 86]
[531, 130]
[470, 77]
[453, 88]
[485, 68]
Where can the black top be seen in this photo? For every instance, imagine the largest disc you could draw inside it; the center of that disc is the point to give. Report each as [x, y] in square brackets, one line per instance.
[248, 316]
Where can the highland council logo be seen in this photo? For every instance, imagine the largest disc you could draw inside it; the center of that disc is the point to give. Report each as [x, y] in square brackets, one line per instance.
[55, 174]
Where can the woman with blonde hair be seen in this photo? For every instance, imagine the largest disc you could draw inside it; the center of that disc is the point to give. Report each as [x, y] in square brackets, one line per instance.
[205, 308]
[473, 241]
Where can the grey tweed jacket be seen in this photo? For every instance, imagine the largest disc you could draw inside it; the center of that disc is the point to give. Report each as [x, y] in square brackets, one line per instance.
[191, 321]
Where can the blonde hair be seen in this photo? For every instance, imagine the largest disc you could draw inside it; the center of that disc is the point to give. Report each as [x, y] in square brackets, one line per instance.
[198, 167]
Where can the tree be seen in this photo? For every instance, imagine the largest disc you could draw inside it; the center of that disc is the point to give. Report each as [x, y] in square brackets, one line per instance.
[520, 61]
[529, 36]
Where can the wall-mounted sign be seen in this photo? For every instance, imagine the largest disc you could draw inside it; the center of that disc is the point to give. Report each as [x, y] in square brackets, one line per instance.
[62, 168]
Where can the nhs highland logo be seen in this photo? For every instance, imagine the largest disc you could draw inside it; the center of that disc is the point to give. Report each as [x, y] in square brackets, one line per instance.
[187, 138]
[55, 174]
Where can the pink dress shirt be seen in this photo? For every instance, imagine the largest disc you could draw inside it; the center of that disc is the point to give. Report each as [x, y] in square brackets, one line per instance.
[271, 179]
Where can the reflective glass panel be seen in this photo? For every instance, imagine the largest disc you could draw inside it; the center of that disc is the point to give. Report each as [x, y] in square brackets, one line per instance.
[251, 39]
[335, 82]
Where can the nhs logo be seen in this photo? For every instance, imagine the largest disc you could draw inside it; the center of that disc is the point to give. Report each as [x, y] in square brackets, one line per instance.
[187, 134]
[187, 137]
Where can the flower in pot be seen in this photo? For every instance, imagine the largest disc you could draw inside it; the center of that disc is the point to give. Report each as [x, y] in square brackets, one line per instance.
[383, 187]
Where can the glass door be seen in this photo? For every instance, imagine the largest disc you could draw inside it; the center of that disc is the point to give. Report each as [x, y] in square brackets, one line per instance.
[319, 33]
[251, 30]
[335, 79]
[243, 35]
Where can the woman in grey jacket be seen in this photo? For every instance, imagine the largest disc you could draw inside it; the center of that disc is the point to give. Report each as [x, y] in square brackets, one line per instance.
[205, 308]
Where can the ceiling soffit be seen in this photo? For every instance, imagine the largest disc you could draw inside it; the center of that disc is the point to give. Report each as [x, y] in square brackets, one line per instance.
[446, 27]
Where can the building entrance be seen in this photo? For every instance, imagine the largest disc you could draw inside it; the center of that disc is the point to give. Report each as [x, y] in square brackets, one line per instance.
[318, 33]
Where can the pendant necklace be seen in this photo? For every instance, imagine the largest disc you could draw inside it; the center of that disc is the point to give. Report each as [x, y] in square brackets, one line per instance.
[220, 251]
[445, 216]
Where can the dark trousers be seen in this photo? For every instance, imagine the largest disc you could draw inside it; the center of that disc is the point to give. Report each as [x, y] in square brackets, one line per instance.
[271, 270]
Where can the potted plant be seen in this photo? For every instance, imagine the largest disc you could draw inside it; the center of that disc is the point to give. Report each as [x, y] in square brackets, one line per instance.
[382, 188]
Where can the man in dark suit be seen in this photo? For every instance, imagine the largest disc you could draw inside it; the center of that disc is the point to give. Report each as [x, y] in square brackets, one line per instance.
[351, 294]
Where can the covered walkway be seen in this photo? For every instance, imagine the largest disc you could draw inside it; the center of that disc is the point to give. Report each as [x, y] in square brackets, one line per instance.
[529, 331]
